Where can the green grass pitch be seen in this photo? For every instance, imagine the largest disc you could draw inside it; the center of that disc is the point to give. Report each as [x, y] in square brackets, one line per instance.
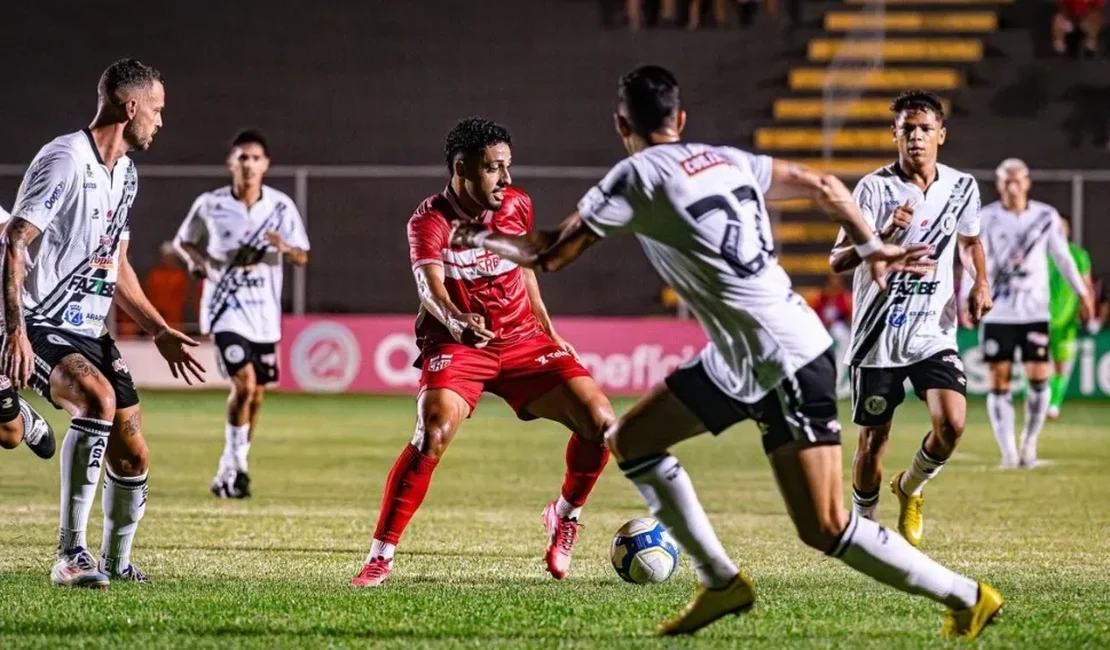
[272, 572]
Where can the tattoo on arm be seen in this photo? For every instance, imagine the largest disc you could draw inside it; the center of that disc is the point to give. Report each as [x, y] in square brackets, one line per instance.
[17, 237]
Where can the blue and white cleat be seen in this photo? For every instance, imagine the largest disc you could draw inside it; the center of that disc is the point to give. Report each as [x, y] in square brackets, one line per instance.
[77, 568]
[37, 432]
[130, 573]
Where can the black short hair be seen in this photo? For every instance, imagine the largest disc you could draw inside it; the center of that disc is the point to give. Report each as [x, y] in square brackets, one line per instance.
[469, 138]
[918, 100]
[251, 136]
[649, 96]
[125, 75]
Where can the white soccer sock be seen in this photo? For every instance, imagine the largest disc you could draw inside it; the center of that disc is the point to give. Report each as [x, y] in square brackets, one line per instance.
[1036, 410]
[1000, 408]
[566, 510]
[670, 495]
[924, 467]
[381, 549]
[82, 457]
[865, 505]
[236, 447]
[124, 503]
[886, 556]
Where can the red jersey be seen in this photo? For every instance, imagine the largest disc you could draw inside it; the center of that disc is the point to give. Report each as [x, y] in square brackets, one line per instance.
[477, 281]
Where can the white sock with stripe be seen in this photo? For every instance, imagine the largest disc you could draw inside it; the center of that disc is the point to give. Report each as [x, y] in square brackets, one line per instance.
[1000, 408]
[83, 454]
[886, 556]
[923, 468]
[124, 503]
[669, 493]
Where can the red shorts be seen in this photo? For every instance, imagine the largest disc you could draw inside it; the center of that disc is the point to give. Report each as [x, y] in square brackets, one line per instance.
[518, 372]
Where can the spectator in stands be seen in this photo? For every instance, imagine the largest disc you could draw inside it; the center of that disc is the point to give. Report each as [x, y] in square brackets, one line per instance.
[1085, 15]
[169, 287]
[833, 304]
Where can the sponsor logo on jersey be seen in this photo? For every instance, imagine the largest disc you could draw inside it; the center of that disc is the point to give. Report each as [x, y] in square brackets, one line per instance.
[256, 282]
[487, 262]
[948, 224]
[551, 356]
[235, 353]
[954, 360]
[88, 187]
[105, 240]
[59, 189]
[897, 316]
[875, 405]
[92, 286]
[73, 314]
[102, 262]
[120, 367]
[914, 287]
[439, 362]
[702, 162]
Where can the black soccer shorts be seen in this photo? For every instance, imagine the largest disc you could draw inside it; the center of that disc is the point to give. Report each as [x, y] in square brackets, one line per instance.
[802, 407]
[877, 392]
[236, 351]
[999, 340]
[52, 344]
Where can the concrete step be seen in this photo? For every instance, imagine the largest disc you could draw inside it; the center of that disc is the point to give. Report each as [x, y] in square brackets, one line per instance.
[948, 50]
[888, 79]
[806, 139]
[816, 108]
[911, 21]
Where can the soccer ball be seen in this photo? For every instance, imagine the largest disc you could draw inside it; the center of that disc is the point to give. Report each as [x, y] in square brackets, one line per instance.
[644, 552]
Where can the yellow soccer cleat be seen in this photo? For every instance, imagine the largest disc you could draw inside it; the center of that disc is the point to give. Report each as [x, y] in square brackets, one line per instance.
[709, 605]
[911, 521]
[969, 623]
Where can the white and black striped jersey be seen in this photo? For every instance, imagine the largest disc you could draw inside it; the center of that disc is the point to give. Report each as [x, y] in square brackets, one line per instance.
[915, 316]
[245, 300]
[81, 207]
[1017, 248]
[700, 215]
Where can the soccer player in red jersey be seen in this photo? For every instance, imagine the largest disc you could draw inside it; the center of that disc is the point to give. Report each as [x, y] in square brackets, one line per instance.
[482, 326]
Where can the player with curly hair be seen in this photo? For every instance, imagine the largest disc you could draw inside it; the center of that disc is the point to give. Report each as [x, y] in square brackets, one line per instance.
[483, 327]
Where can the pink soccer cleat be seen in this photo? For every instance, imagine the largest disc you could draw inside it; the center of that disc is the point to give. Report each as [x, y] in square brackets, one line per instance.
[374, 573]
[561, 536]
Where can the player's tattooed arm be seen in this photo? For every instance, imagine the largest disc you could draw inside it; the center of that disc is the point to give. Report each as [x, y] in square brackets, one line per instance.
[469, 329]
[17, 238]
[17, 357]
[542, 250]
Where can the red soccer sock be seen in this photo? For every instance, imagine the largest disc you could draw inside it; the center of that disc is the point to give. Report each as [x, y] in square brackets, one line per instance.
[585, 461]
[404, 492]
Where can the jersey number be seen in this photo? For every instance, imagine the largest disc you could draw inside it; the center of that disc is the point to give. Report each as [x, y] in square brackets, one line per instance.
[730, 244]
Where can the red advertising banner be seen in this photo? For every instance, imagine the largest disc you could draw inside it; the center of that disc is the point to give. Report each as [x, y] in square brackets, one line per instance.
[374, 354]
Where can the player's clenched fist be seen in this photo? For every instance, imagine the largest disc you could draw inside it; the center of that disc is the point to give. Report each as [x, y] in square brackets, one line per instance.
[902, 218]
[470, 329]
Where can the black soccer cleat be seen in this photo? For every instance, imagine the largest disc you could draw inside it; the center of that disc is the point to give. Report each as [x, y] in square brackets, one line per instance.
[37, 432]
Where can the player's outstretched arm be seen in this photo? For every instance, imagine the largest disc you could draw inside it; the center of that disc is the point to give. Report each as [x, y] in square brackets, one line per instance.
[171, 343]
[532, 286]
[18, 359]
[543, 250]
[795, 181]
[468, 329]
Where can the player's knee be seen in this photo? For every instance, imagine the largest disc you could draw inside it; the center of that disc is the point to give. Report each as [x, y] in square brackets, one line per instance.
[11, 434]
[950, 428]
[97, 402]
[242, 391]
[257, 395]
[434, 433]
[872, 439]
[129, 460]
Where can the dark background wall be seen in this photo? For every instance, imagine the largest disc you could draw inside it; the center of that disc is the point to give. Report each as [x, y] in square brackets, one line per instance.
[380, 82]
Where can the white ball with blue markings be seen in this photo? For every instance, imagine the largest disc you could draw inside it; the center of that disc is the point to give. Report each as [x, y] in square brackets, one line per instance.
[643, 552]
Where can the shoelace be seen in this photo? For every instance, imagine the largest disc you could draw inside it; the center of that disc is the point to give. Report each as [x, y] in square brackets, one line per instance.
[375, 568]
[84, 561]
[567, 532]
[133, 573]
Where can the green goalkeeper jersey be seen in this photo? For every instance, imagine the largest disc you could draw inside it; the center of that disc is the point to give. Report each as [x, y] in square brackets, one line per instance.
[1063, 303]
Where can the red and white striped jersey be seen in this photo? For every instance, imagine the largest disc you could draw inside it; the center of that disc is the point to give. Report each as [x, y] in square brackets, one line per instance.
[477, 281]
